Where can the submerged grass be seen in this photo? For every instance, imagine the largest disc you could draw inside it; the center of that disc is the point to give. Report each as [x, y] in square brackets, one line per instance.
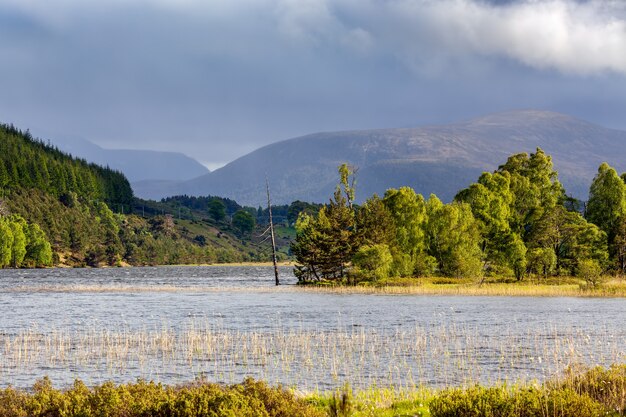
[438, 355]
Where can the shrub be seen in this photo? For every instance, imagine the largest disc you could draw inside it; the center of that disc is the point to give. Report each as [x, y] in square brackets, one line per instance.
[472, 402]
[590, 271]
[521, 402]
[606, 386]
[142, 399]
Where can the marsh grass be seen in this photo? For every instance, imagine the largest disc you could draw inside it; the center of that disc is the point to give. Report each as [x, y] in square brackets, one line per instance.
[436, 356]
[554, 287]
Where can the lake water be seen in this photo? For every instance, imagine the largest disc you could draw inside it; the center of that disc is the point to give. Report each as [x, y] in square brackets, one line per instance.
[175, 324]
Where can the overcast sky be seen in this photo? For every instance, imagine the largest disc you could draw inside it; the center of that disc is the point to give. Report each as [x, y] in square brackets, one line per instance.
[216, 79]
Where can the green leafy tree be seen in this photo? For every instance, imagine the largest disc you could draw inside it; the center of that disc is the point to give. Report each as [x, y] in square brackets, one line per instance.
[217, 209]
[372, 262]
[6, 243]
[408, 212]
[541, 261]
[453, 238]
[297, 207]
[534, 187]
[38, 249]
[570, 237]
[619, 244]
[18, 249]
[306, 249]
[347, 182]
[590, 271]
[243, 222]
[491, 201]
[606, 208]
[374, 223]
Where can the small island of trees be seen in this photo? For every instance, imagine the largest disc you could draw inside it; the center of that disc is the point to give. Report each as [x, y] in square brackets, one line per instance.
[517, 221]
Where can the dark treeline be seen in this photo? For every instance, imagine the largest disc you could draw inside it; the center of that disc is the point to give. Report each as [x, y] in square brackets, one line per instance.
[516, 221]
[27, 163]
[220, 209]
[202, 203]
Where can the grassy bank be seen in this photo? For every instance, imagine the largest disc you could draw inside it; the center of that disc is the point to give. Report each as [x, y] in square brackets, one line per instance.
[552, 287]
[582, 393]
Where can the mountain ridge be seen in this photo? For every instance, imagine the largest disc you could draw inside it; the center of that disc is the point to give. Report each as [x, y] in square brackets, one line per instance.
[440, 159]
[136, 164]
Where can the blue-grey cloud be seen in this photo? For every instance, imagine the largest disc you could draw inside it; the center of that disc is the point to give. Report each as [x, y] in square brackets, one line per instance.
[216, 79]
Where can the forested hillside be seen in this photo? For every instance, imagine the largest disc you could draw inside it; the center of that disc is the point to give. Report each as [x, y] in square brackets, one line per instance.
[27, 163]
[60, 210]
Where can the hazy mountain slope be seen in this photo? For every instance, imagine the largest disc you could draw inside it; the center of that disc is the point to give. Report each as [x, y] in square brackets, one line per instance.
[137, 165]
[431, 159]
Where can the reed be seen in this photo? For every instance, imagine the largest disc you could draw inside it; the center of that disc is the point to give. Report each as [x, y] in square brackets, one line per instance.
[312, 360]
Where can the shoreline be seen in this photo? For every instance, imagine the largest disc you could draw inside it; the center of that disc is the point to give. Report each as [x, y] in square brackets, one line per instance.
[612, 287]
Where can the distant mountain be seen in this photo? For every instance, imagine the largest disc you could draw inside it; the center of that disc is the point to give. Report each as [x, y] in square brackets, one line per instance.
[430, 159]
[137, 165]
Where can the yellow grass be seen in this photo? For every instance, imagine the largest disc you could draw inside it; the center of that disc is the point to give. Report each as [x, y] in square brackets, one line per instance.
[610, 288]
[613, 288]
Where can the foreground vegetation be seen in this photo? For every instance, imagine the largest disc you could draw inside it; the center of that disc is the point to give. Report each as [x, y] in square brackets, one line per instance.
[589, 393]
[582, 393]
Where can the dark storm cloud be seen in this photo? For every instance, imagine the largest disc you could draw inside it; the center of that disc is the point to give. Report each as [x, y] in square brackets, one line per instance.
[217, 79]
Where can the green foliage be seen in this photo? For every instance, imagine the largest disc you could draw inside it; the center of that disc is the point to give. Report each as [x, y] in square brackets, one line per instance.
[408, 211]
[27, 163]
[590, 271]
[569, 237]
[526, 223]
[297, 207]
[491, 200]
[541, 261]
[91, 234]
[217, 209]
[579, 392]
[22, 244]
[325, 244]
[607, 200]
[38, 249]
[480, 401]
[18, 249]
[372, 262]
[243, 222]
[6, 243]
[374, 223]
[248, 399]
[341, 404]
[534, 188]
[605, 386]
[347, 183]
[606, 208]
[452, 238]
